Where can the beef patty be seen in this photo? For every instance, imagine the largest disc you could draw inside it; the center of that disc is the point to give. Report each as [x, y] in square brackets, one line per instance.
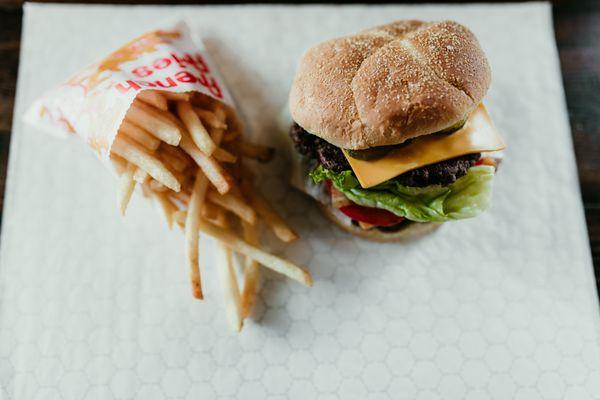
[331, 157]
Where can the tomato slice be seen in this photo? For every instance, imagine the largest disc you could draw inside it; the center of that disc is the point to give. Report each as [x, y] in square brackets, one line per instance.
[370, 215]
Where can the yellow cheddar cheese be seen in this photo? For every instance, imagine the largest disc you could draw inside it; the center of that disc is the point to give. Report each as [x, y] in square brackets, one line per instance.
[477, 135]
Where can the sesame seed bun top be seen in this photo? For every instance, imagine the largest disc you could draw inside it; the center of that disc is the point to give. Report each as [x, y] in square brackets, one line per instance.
[390, 83]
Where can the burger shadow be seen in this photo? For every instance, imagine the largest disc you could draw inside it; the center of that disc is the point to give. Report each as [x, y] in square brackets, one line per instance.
[279, 296]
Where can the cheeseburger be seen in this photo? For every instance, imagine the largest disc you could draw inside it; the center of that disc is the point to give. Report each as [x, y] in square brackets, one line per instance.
[390, 133]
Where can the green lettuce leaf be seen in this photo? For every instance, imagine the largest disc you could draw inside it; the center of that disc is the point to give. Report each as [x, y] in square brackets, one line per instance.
[465, 198]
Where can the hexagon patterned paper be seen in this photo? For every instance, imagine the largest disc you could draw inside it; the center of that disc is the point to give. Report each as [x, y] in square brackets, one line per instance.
[93, 306]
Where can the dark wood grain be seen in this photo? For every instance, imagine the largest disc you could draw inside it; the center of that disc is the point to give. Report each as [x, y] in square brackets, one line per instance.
[10, 35]
[577, 33]
[577, 28]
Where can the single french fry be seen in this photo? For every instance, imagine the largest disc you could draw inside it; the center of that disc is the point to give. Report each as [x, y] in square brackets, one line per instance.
[194, 126]
[179, 217]
[215, 215]
[166, 116]
[223, 155]
[270, 261]
[210, 118]
[141, 176]
[175, 163]
[192, 221]
[174, 96]
[168, 209]
[149, 118]
[119, 163]
[175, 152]
[268, 214]
[177, 158]
[135, 154]
[231, 291]
[215, 173]
[255, 151]
[157, 186]
[146, 191]
[153, 98]
[181, 196]
[217, 135]
[126, 186]
[186, 178]
[231, 135]
[220, 113]
[221, 219]
[251, 272]
[234, 204]
[209, 210]
[140, 135]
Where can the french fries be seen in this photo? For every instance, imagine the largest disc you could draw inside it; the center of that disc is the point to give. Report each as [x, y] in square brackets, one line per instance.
[223, 155]
[136, 155]
[175, 96]
[175, 157]
[221, 218]
[251, 272]
[192, 221]
[140, 135]
[234, 204]
[118, 163]
[230, 136]
[178, 164]
[185, 153]
[270, 261]
[126, 186]
[270, 216]
[183, 197]
[153, 98]
[198, 132]
[168, 209]
[211, 118]
[141, 176]
[142, 115]
[157, 186]
[215, 215]
[209, 211]
[179, 217]
[220, 113]
[211, 168]
[233, 304]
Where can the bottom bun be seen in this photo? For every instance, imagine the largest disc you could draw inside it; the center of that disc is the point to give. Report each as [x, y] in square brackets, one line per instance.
[409, 231]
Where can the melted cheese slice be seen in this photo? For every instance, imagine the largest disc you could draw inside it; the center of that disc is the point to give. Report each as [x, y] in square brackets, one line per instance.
[477, 135]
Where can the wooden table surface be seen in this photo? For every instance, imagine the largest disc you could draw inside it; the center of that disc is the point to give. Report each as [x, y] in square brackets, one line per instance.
[577, 29]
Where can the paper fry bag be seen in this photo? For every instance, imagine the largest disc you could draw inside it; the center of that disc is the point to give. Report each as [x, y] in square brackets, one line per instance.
[93, 103]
